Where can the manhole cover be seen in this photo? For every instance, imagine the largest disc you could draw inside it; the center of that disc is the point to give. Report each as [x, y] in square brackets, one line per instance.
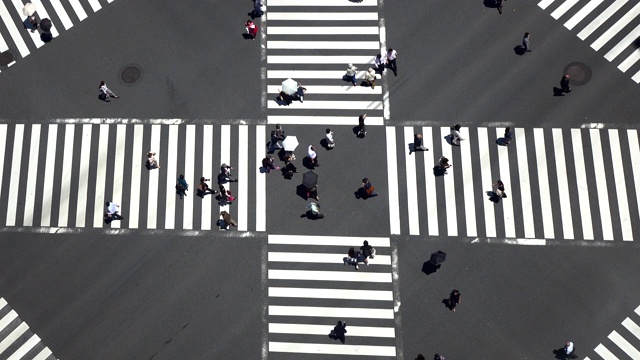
[6, 58]
[131, 74]
[579, 73]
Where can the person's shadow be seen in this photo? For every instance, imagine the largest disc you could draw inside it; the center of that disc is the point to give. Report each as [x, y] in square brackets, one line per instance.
[501, 142]
[438, 171]
[306, 162]
[490, 4]
[561, 354]
[447, 303]
[493, 197]
[519, 50]
[557, 91]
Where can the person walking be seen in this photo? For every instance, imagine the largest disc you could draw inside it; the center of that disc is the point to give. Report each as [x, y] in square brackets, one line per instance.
[300, 92]
[367, 190]
[368, 251]
[455, 135]
[499, 190]
[370, 78]
[225, 195]
[391, 61]
[204, 188]
[313, 211]
[455, 298]
[275, 142]
[569, 349]
[420, 357]
[362, 130]
[351, 74]
[257, 8]
[313, 156]
[379, 62]
[182, 186]
[152, 162]
[331, 143]
[31, 23]
[112, 211]
[105, 93]
[444, 164]
[508, 136]
[418, 144]
[228, 220]
[312, 193]
[339, 331]
[438, 357]
[353, 257]
[268, 164]
[564, 84]
[525, 42]
[225, 174]
[252, 29]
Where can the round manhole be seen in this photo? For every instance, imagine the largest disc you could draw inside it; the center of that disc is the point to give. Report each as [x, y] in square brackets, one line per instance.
[579, 73]
[131, 74]
[6, 58]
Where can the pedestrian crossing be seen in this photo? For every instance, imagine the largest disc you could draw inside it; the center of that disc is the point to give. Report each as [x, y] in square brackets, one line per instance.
[624, 344]
[61, 175]
[310, 290]
[312, 43]
[611, 26]
[64, 13]
[561, 184]
[16, 340]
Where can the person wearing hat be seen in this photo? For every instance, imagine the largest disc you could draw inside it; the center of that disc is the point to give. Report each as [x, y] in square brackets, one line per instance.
[351, 74]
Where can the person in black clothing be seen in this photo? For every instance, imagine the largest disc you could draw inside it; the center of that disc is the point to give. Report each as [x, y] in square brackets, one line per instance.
[417, 143]
[454, 299]
[564, 84]
[499, 6]
[204, 188]
[339, 331]
[367, 251]
[362, 130]
[499, 189]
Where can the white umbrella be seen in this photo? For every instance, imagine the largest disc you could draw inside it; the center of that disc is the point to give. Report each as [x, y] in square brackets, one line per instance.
[290, 143]
[290, 86]
[28, 9]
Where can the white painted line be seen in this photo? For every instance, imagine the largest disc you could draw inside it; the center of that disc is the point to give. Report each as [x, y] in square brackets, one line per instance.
[261, 181]
[154, 178]
[412, 183]
[243, 173]
[35, 36]
[563, 184]
[310, 329]
[615, 28]
[62, 14]
[3, 45]
[430, 182]
[14, 182]
[321, 258]
[7, 319]
[505, 177]
[95, 5]
[321, 59]
[329, 105]
[42, 14]
[636, 77]
[225, 158]
[323, 45]
[580, 15]
[83, 177]
[318, 16]
[335, 89]
[348, 275]
[50, 165]
[632, 327]
[634, 150]
[620, 188]
[601, 183]
[43, 355]
[13, 30]
[332, 349]
[137, 160]
[3, 303]
[392, 168]
[629, 61]
[172, 171]
[13, 336]
[624, 43]
[208, 172]
[624, 345]
[320, 120]
[118, 168]
[65, 181]
[562, 9]
[335, 312]
[383, 47]
[545, 3]
[313, 74]
[637, 310]
[583, 189]
[601, 19]
[319, 293]
[485, 172]
[190, 176]
[101, 175]
[525, 183]
[32, 176]
[79, 10]
[331, 3]
[3, 140]
[25, 348]
[347, 241]
[322, 30]
[543, 182]
[467, 180]
[449, 185]
[605, 353]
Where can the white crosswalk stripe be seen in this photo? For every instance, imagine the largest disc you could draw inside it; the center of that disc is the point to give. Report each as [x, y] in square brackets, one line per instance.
[625, 343]
[56, 10]
[617, 19]
[310, 290]
[561, 184]
[16, 339]
[67, 184]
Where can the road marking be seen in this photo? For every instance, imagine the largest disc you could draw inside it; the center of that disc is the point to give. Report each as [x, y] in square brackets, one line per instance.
[35, 36]
[430, 182]
[624, 345]
[345, 241]
[32, 175]
[79, 10]
[243, 173]
[392, 168]
[580, 15]
[171, 171]
[14, 183]
[13, 30]
[323, 30]
[322, 293]
[601, 19]
[154, 178]
[323, 45]
[563, 184]
[3, 140]
[65, 179]
[261, 181]
[225, 158]
[43, 355]
[341, 89]
[330, 105]
[601, 183]
[189, 174]
[207, 172]
[321, 258]
[485, 173]
[605, 353]
[331, 3]
[505, 177]
[583, 189]
[8, 318]
[83, 177]
[13, 336]
[320, 16]
[615, 28]
[336, 312]
[312, 275]
[95, 5]
[449, 185]
[525, 184]
[545, 3]
[636, 77]
[412, 184]
[310, 329]
[543, 181]
[467, 180]
[62, 14]
[634, 150]
[562, 9]
[320, 120]
[623, 44]
[620, 187]
[332, 349]
[101, 176]
[632, 327]
[136, 168]
[42, 14]
[118, 168]
[629, 61]
[312, 74]
[321, 59]
[25, 348]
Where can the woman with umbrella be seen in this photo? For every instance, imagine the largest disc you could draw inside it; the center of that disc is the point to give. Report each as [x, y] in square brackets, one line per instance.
[30, 23]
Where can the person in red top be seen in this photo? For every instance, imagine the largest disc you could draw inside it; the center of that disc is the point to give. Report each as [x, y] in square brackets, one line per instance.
[252, 29]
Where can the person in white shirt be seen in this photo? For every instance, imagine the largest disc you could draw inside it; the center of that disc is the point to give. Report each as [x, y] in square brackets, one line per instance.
[370, 78]
[351, 74]
[330, 142]
[455, 134]
[313, 156]
[379, 61]
[568, 348]
[105, 92]
[112, 211]
[391, 61]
